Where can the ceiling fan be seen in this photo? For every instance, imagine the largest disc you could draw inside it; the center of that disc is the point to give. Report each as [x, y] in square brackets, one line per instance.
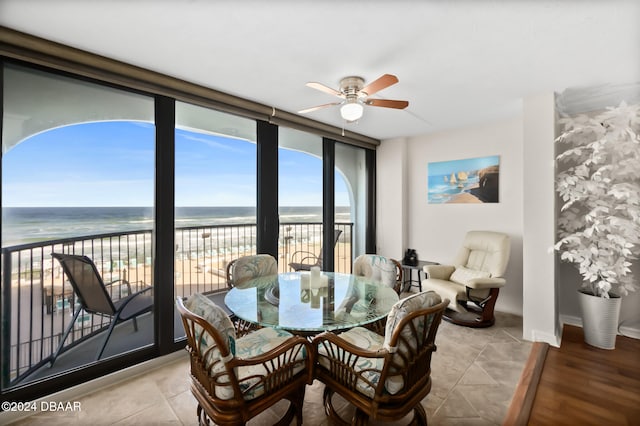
[355, 95]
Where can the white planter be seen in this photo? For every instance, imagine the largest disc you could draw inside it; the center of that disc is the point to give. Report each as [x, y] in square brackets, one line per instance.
[600, 319]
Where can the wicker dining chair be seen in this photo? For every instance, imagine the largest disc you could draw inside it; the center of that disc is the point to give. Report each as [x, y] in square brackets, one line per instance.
[379, 268]
[239, 271]
[246, 268]
[234, 380]
[384, 377]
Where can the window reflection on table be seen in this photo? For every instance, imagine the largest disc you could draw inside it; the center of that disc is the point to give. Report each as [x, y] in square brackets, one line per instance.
[289, 302]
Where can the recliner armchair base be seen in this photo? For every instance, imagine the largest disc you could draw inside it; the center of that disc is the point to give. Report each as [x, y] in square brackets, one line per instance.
[480, 316]
[467, 319]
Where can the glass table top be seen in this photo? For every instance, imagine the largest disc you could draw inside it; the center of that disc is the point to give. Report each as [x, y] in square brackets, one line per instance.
[290, 302]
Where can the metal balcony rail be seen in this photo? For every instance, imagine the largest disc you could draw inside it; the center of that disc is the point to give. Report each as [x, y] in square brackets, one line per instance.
[38, 302]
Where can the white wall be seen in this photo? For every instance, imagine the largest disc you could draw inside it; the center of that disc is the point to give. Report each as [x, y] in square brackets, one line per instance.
[540, 312]
[538, 288]
[437, 230]
[391, 187]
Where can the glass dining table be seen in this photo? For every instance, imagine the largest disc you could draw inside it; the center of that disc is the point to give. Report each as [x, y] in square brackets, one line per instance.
[291, 301]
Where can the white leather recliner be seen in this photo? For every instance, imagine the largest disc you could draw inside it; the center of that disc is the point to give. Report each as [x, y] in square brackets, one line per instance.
[475, 276]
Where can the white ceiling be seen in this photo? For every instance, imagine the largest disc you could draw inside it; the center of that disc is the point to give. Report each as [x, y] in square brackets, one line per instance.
[459, 62]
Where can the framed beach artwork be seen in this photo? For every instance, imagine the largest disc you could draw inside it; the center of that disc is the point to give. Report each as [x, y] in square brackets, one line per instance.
[471, 180]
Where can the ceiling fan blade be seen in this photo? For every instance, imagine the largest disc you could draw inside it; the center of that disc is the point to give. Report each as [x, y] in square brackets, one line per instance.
[387, 103]
[315, 108]
[321, 87]
[379, 84]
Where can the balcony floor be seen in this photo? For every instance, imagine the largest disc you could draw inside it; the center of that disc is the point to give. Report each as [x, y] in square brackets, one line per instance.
[474, 371]
[123, 339]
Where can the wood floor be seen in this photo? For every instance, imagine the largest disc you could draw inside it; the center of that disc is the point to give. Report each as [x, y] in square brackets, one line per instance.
[583, 385]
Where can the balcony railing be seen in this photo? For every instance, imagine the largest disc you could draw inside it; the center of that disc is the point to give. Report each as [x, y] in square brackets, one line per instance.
[36, 295]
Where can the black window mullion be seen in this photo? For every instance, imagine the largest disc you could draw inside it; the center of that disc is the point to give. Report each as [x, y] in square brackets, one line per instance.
[164, 234]
[267, 219]
[370, 226]
[328, 203]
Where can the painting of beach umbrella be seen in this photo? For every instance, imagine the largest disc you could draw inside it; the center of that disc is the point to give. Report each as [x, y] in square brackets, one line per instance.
[471, 180]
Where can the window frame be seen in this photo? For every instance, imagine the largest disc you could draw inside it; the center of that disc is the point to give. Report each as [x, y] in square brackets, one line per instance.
[29, 51]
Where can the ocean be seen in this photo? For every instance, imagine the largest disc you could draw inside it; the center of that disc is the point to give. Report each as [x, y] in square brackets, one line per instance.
[22, 225]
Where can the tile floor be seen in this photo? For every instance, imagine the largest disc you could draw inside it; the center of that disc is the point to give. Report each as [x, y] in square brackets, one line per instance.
[474, 373]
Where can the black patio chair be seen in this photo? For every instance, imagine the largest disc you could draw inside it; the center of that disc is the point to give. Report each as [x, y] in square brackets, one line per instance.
[93, 297]
[304, 260]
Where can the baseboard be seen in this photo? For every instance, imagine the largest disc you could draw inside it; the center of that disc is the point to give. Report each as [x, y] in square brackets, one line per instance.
[539, 336]
[570, 320]
[628, 331]
[632, 331]
[76, 392]
[623, 330]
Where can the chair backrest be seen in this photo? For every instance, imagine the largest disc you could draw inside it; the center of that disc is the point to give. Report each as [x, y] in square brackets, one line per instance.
[246, 268]
[379, 268]
[486, 251]
[410, 335]
[87, 283]
[211, 342]
[336, 236]
[209, 329]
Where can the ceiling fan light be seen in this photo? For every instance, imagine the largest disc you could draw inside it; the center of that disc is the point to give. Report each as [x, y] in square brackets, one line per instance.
[351, 111]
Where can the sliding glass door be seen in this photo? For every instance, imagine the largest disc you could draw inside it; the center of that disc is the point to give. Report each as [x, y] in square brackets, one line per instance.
[351, 193]
[215, 197]
[77, 178]
[300, 199]
[159, 194]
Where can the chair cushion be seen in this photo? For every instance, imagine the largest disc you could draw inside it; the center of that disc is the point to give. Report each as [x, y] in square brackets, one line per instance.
[463, 275]
[249, 267]
[249, 346]
[404, 307]
[371, 368]
[364, 339]
[368, 340]
[447, 290]
[217, 317]
[400, 310]
[485, 251]
[377, 268]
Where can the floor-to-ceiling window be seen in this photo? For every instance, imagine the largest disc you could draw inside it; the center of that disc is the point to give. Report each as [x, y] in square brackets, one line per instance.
[301, 188]
[77, 178]
[215, 196]
[160, 194]
[300, 198]
[351, 192]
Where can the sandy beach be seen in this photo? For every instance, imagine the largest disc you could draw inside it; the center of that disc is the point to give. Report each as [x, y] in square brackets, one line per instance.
[464, 198]
[46, 301]
[209, 273]
[477, 194]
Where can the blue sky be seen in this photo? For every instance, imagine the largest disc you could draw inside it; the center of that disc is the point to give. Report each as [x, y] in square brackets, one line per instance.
[112, 164]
